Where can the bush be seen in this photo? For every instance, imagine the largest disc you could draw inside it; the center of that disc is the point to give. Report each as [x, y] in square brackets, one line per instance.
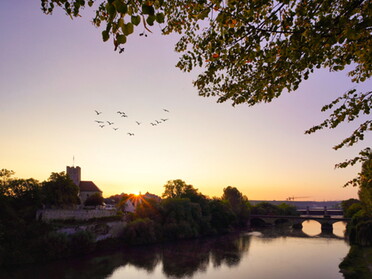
[82, 242]
[352, 210]
[364, 233]
[265, 208]
[94, 200]
[141, 231]
[287, 209]
[55, 246]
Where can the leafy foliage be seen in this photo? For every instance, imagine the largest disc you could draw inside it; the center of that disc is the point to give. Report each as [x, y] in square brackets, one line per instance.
[222, 216]
[94, 200]
[20, 198]
[178, 189]
[60, 191]
[265, 208]
[287, 209]
[365, 183]
[185, 213]
[360, 228]
[238, 203]
[141, 231]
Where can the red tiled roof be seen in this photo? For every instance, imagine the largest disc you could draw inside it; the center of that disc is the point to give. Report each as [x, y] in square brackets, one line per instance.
[88, 186]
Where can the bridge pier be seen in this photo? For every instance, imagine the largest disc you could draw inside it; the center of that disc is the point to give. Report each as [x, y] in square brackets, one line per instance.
[297, 226]
[327, 228]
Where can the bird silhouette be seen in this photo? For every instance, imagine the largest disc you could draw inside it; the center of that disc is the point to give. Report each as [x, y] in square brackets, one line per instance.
[102, 126]
[166, 110]
[110, 123]
[98, 121]
[98, 112]
[130, 134]
[124, 115]
[153, 124]
[121, 49]
[115, 128]
[138, 123]
[164, 119]
[157, 122]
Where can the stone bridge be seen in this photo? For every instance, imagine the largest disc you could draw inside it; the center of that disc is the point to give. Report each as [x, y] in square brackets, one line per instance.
[326, 221]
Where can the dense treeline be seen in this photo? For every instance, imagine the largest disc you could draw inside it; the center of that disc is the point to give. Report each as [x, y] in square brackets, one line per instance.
[357, 263]
[360, 228]
[183, 213]
[24, 239]
[265, 208]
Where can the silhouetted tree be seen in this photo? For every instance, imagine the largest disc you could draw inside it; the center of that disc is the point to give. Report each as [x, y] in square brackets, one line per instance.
[365, 185]
[60, 191]
[222, 217]
[238, 203]
[178, 189]
[94, 200]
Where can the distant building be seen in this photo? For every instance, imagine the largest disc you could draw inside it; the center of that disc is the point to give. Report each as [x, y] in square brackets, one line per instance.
[152, 196]
[131, 204]
[86, 188]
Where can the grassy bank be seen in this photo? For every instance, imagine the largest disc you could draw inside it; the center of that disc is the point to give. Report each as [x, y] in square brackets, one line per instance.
[358, 263]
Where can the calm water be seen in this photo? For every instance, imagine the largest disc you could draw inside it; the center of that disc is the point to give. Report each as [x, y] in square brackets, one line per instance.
[271, 253]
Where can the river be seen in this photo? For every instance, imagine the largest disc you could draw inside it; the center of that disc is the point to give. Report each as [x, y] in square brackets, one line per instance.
[270, 253]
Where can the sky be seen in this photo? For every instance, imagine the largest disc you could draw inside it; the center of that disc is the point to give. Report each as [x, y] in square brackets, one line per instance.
[55, 72]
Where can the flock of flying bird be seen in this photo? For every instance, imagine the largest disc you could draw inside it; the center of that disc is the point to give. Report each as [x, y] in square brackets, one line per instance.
[102, 123]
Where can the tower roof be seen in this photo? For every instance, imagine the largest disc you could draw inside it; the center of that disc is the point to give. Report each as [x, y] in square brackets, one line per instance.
[88, 186]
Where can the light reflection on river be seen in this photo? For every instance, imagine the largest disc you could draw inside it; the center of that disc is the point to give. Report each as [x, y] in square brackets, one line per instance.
[270, 253]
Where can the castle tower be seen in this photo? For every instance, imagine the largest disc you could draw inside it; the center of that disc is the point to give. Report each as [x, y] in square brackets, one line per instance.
[75, 174]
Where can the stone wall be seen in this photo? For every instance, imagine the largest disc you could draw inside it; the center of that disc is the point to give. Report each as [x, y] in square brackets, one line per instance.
[100, 230]
[77, 214]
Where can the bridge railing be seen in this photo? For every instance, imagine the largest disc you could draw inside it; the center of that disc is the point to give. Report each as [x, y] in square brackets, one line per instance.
[320, 212]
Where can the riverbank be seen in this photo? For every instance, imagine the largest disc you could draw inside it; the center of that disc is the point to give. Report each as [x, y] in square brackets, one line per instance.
[233, 255]
[358, 263]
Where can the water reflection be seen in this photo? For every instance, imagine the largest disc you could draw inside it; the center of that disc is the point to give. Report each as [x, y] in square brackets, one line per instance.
[215, 257]
[339, 229]
[311, 227]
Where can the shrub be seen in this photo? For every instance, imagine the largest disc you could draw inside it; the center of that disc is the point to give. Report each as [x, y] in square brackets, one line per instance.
[82, 242]
[141, 231]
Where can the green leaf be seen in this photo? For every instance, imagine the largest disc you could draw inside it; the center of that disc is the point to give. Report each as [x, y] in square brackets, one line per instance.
[105, 35]
[135, 19]
[121, 39]
[111, 10]
[150, 20]
[121, 7]
[148, 10]
[159, 17]
[128, 28]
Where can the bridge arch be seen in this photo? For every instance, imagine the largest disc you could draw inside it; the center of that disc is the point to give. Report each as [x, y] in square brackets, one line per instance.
[339, 228]
[258, 222]
[281, 221]
[311, 227]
